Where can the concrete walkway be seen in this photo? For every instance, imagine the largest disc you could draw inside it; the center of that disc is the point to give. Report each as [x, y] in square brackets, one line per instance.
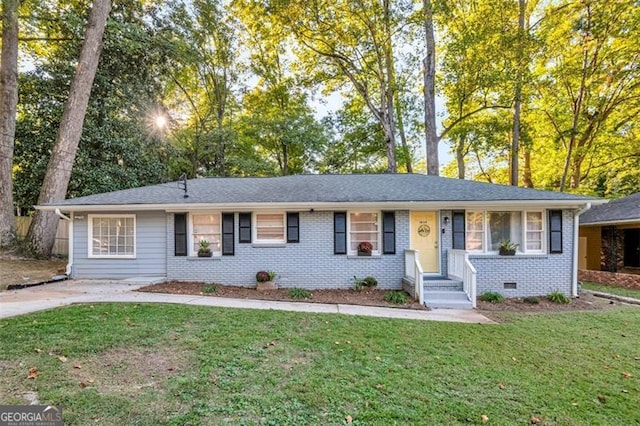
[48, 296]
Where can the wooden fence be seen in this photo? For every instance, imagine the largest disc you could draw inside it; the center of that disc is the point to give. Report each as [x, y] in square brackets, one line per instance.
[61, 246]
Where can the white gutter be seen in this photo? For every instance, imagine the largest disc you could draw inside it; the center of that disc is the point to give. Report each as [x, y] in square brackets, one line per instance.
[328, 206]
[70, 241]
[576, 241]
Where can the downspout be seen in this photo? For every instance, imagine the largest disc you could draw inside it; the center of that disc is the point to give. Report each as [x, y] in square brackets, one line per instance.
[576, 241]
[70, 242]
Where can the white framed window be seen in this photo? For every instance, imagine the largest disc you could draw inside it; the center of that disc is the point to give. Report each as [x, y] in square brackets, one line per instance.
[205, 226]
[501, 226]
[485, 230]
[475, 231]
[363, 227]
[534, 236]
[112, 236]
[269, 228]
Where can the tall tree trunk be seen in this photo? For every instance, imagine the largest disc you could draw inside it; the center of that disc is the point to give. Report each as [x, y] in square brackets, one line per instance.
[8, 105]
[577, 102]
[527, 180]
[460, 154]
[408, 161]
[42, 231]
[515, 141]
[429, 72]
[390, 90]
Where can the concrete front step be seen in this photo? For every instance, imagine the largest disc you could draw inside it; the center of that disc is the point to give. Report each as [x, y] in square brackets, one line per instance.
[447, 299]
[432, 283]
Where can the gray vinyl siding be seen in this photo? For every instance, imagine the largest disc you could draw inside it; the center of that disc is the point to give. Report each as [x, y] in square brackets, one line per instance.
[150, 250]
[310, 263]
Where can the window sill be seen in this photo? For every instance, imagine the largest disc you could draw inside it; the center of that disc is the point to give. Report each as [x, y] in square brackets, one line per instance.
[200, 259]
[268, 245]
[112, 257]
[373, 256]
[516, 256]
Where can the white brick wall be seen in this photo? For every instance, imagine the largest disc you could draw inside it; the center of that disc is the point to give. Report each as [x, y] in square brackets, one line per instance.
[310, 263]
[534, 275]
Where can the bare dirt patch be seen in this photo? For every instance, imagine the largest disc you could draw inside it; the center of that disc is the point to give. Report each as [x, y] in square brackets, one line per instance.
[16, 269]
[124, 370]
[365, 297]
[586, 302]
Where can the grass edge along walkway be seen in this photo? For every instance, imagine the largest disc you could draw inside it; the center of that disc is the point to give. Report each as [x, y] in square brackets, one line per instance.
[175, 364]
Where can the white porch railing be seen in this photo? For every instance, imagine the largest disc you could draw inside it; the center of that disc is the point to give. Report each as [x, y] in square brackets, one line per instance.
[460, 267]
[413, 271]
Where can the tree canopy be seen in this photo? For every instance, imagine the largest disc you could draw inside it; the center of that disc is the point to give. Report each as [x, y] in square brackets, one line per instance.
[277, 87]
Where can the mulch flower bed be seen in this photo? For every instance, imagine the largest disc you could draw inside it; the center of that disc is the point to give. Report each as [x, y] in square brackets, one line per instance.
[365, 297]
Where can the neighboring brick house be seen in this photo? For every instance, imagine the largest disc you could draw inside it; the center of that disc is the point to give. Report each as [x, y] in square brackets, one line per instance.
[424, 231]
[610, 242]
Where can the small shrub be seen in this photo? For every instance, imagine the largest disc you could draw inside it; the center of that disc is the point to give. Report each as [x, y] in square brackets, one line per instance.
[370, 282]
[396, 297]
[492, 296]
[360, 283]
[532, 300]
[209, 288]
[299, 293]
[560, 298]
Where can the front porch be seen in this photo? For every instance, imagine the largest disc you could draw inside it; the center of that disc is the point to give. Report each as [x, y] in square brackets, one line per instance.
[456, 290]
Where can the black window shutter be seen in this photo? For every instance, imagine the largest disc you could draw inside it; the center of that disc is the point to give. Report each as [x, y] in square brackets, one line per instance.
[244, 225]
[388, 233]
[180, 233]
[555, 231]
[227, 234]
[340, 233]
[457, 229]
[293, 227]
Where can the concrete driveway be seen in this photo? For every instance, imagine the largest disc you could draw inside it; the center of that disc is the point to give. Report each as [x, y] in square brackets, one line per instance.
[19, 302]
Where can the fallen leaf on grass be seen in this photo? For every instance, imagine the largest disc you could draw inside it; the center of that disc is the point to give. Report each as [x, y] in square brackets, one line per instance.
[626, 375]
[83, 385]
[33, 373]
[535, 420]
[602, 398]
[348, 419]
[485, 418]
[62, 358]
[501, 385]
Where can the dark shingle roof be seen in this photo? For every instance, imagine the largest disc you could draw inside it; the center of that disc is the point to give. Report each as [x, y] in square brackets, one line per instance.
[320, 189]
[623, 209]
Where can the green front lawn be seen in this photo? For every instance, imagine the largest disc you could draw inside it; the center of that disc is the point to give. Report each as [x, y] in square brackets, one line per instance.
[172, 364]
[620, 291]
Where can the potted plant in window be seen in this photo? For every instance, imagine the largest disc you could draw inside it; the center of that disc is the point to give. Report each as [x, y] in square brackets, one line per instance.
[204, 248]
[365, 248]
[265, 280]
[507, 248]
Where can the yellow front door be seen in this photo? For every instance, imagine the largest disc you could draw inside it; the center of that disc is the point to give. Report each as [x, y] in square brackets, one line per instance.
[424, 238]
